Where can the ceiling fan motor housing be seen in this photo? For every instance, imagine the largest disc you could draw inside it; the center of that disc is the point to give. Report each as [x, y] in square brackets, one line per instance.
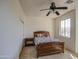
[52, 7]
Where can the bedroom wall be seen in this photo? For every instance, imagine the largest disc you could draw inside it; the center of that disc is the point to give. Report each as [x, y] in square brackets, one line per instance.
[76, 28]
[11, 29]
[36, 20]
[69, 42]
[38, 24]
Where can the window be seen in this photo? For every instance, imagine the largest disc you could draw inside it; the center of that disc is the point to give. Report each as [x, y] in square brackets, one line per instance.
[65, 26]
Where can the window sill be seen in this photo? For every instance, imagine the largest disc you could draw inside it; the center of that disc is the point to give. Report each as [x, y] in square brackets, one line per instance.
[65, 37]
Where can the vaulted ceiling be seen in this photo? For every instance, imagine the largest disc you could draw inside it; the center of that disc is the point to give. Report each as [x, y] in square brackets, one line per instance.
[32, 7]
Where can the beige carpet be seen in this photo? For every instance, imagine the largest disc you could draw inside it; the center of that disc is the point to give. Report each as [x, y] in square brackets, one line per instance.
[30, 53]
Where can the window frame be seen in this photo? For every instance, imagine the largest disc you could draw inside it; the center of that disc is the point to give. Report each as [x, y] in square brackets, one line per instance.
[64, 28]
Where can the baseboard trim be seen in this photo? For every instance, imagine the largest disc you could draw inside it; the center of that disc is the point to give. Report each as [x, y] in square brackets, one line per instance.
[23, 45]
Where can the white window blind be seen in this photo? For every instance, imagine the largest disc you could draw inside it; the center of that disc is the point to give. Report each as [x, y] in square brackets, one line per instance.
[65, 26]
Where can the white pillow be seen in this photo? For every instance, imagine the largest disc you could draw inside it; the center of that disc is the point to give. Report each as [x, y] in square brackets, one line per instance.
[39, 40]
[39, 35]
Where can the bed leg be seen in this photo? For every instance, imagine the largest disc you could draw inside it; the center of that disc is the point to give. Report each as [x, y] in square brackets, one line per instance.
[63, 51]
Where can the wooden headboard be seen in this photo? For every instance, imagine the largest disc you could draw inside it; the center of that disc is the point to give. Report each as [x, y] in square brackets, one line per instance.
[41, 33]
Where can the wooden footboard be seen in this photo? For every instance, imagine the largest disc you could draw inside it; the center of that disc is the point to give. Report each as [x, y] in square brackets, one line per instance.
[50, 48]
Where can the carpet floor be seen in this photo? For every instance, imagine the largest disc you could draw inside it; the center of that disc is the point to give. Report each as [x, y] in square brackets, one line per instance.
[30, 53]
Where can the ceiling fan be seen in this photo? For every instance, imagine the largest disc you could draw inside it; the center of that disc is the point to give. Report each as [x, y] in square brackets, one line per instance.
[54, 8]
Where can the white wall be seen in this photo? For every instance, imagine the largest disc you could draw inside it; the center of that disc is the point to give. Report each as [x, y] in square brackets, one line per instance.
[11, 29]
[69, 42]
[38, 24]
[76, 45]
[36, 20]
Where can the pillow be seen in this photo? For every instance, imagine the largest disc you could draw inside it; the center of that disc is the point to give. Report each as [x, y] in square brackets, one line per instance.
[39, 40]
[38, 35]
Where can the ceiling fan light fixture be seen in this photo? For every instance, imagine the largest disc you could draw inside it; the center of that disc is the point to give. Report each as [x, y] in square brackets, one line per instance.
[48, 13]
[57, 13]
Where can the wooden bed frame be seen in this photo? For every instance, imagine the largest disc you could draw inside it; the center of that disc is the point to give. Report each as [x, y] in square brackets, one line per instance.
[49, 48]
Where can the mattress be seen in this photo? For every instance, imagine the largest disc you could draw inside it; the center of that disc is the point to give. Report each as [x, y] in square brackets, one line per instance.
[39, 40]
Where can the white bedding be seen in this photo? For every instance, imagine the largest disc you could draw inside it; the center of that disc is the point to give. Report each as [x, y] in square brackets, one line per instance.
[39, 40]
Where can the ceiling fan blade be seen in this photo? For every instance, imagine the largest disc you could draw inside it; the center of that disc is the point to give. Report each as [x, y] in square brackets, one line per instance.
[48, 13]
[44, 9]
[61, 8]
[57, 13]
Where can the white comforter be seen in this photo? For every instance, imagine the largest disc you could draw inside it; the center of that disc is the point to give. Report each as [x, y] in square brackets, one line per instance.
[39, 40]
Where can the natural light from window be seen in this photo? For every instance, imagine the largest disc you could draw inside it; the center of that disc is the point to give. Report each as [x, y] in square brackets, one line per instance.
[65, 26]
